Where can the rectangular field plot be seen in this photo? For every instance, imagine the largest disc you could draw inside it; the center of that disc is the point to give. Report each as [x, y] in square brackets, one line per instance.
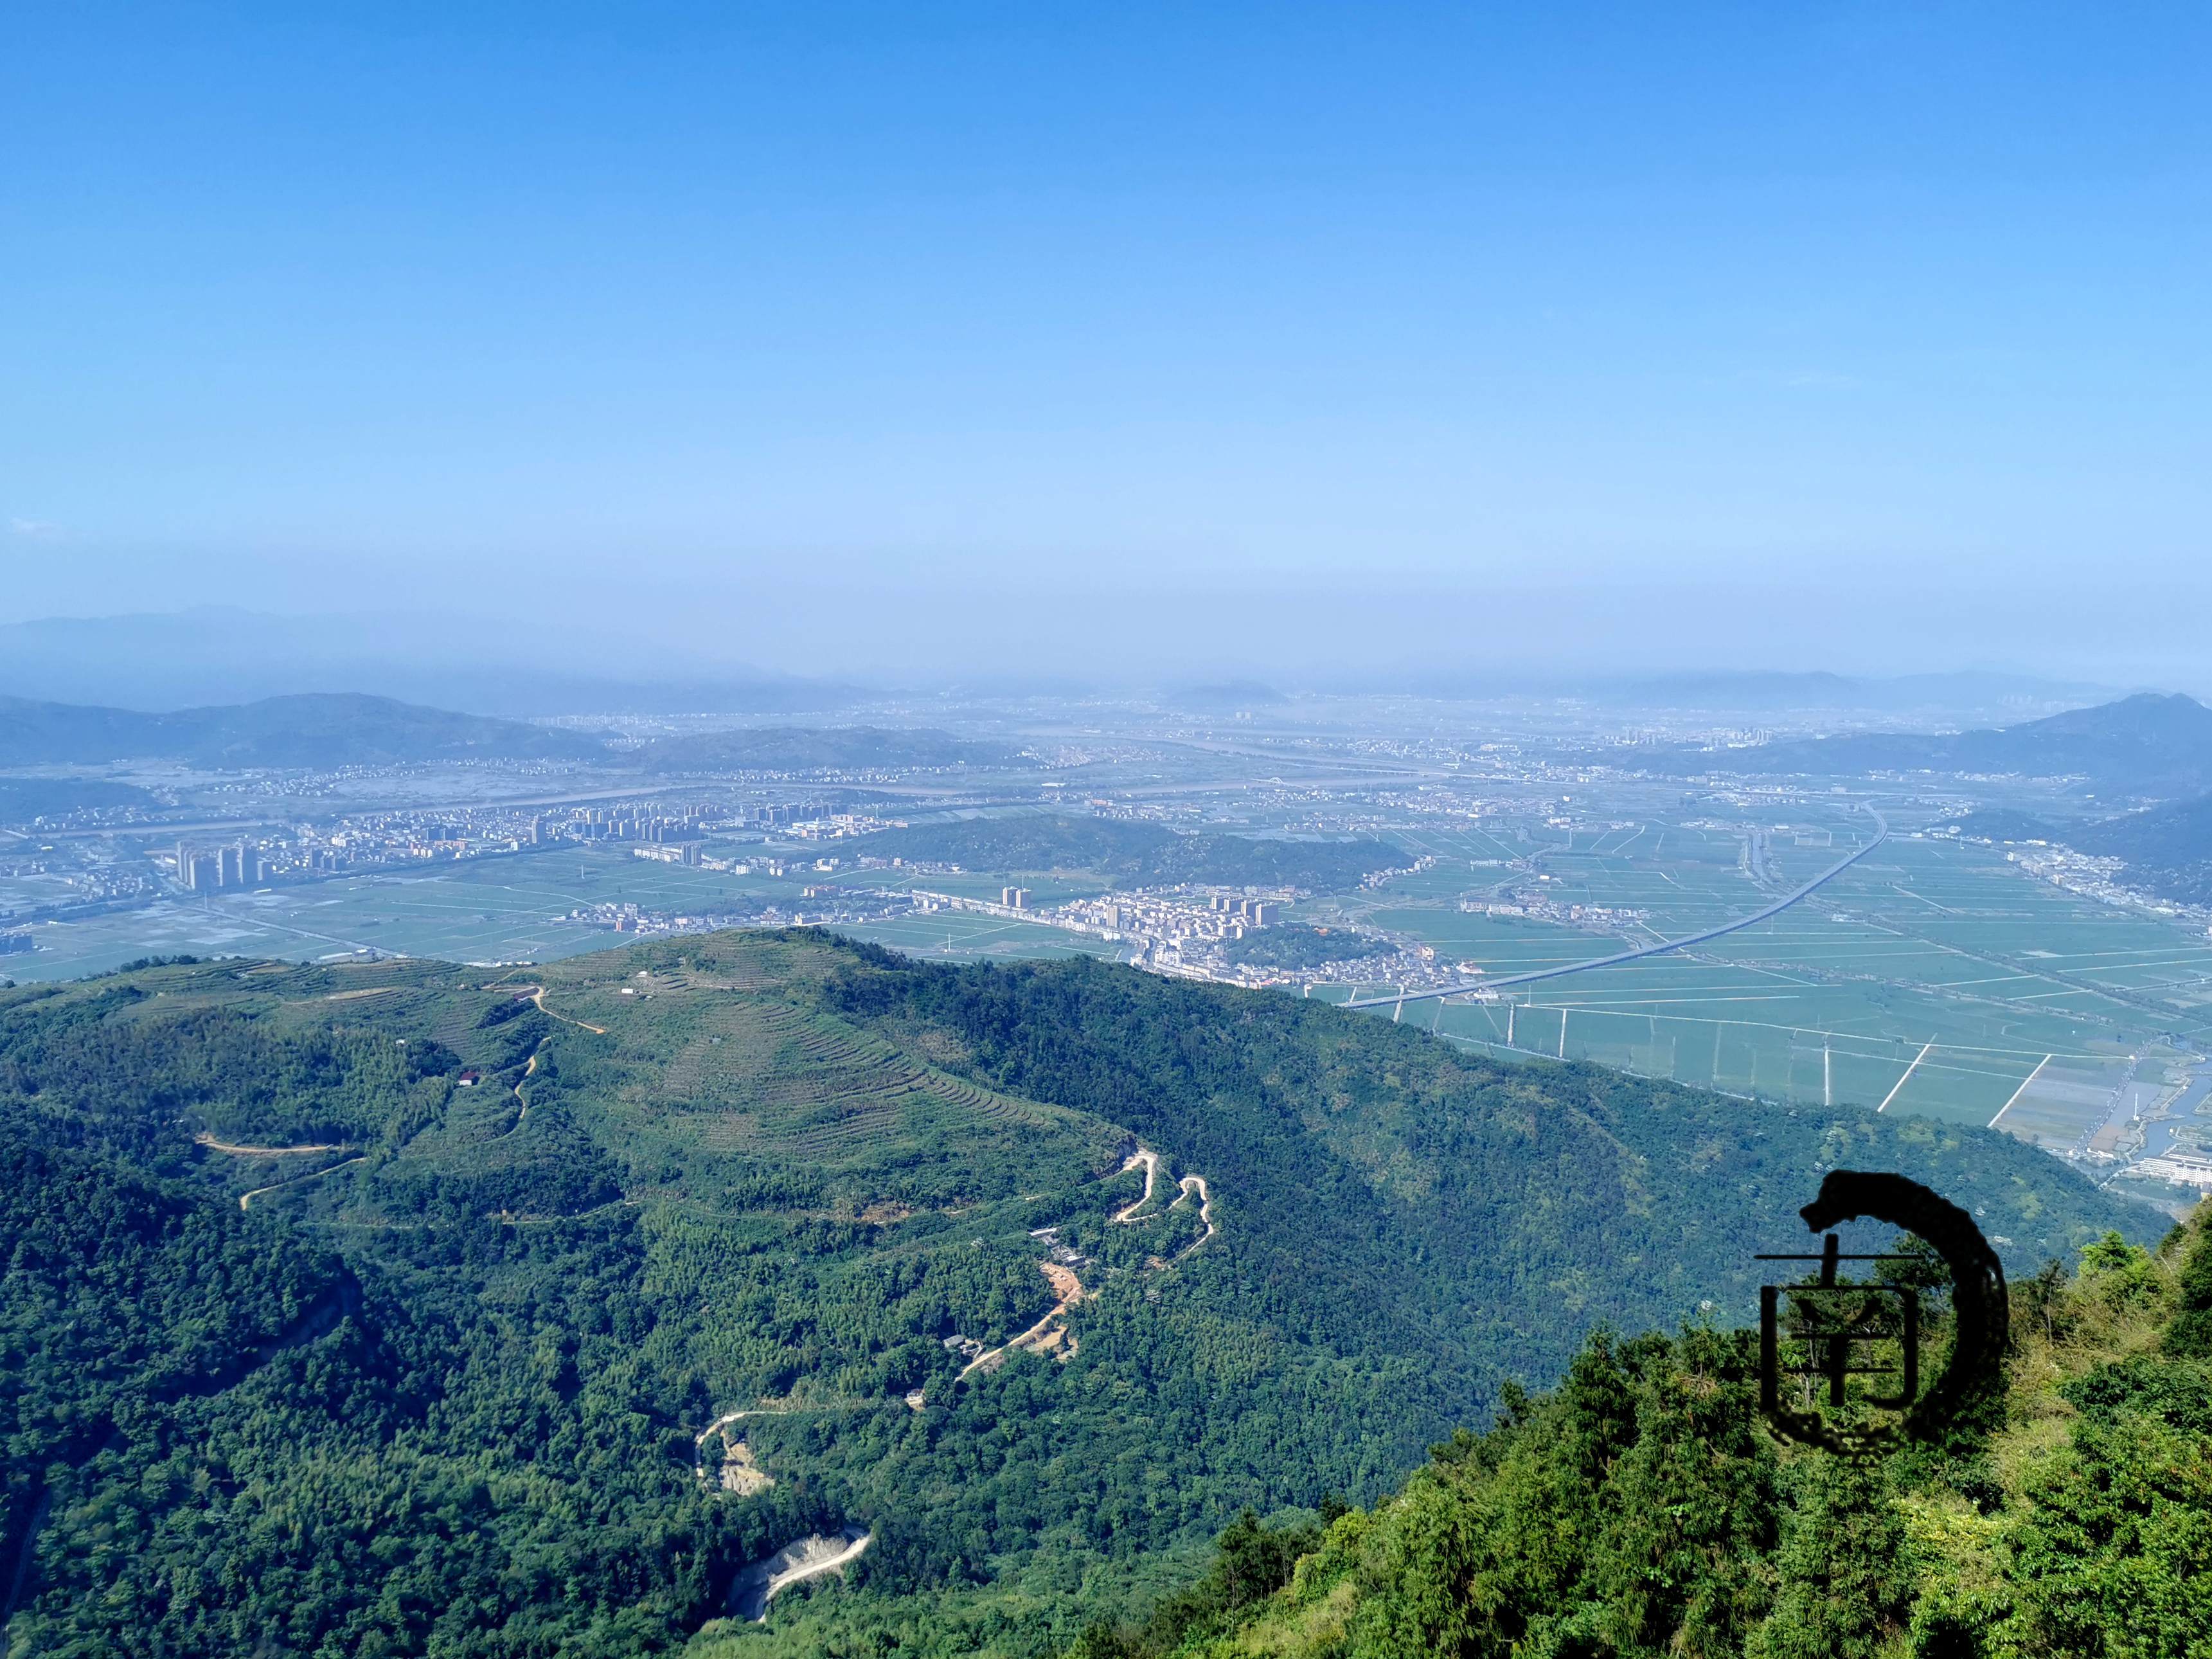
[1043, 888]
[2179, 971]
[959, 934]
[2068, 1101]
[494, 910]
[1502, 945]
[1961, 1084]
[1450, 843]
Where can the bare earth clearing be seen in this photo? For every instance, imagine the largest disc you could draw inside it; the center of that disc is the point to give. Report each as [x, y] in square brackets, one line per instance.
[810, 1557]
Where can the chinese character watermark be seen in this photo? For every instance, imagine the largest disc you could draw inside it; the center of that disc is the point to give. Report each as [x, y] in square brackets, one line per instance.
[1839, 1360]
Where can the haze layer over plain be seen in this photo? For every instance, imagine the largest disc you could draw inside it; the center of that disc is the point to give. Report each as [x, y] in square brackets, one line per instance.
[847, 337]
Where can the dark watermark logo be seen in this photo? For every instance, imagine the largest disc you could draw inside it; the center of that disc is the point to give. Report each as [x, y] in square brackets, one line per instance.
[1840, 1360]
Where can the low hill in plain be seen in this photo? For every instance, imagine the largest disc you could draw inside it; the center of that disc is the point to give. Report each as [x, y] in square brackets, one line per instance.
[326, 730]
[313, 729]
[820, 748]
[2166, 850]
[22, 800]
[391, 1307]
[1135, 854]
[1296, 948]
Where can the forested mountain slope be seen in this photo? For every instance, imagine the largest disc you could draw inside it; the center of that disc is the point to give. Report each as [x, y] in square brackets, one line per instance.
[1643, 1508]
[2166, 850]
[387, 1308]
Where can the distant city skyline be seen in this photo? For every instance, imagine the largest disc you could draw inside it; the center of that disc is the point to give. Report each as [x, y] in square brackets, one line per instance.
[849, 339]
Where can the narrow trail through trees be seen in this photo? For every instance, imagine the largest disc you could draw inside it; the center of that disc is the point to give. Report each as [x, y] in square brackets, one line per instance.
[1072, 1293]
[1184, 1188]
[536, 996]
[522, 1099]
[699, 1441]
[245, 1199]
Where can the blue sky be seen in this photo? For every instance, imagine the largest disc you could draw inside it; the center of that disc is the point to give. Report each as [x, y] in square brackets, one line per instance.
[1869, 335]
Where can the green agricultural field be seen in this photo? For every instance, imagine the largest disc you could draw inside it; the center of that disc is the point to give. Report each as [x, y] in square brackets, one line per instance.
[491, 910]
[956, 934]
[504, 910]
[1045, 888]
[1935, 978]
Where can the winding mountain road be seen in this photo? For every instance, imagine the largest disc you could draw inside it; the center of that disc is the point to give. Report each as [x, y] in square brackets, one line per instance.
[245, 1199]
[794, 1564]
[1190, 1184]
[1150, 1160]
[214, 1146]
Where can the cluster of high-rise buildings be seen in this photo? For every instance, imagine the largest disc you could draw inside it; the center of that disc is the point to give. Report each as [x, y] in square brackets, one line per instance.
[685, 853]
[1257, 912]
[1212, 917]
[218, 869]
[648, 824]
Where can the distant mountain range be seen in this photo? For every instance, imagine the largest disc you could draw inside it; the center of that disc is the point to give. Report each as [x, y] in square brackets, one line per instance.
[2145, 744]
[1220, 694]
[1967, 697]
[323, 730]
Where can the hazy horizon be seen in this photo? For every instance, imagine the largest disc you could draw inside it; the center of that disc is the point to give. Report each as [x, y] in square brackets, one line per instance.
[849, 340]
[220, 655]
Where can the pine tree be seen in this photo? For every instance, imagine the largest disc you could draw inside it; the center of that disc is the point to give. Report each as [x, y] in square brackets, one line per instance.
[1844, 1588]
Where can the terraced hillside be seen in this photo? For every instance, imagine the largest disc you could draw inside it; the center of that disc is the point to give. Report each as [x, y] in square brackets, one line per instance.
[401, 1308]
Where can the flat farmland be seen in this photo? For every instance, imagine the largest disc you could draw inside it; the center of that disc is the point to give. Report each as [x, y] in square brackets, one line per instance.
[1044, 888]
[1448, 843]
[488, 910]
[1934, 977]
[499, 911]
[961, 935]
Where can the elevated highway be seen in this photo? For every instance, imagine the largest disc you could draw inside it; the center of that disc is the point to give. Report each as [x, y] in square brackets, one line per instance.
[1881, 835]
